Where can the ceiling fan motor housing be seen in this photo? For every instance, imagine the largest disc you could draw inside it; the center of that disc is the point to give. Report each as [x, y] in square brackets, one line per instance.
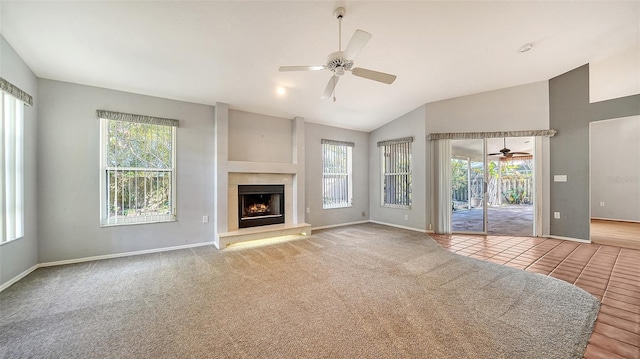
[338, 64]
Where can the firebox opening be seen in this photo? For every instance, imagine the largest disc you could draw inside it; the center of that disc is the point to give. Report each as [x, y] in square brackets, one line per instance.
[260, 205]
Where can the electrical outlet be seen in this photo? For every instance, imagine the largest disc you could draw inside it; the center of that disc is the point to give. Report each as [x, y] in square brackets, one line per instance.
[363, 214]
[556, 215]
[308, 210]
[205, 219]
[406, 217]
[601, 204]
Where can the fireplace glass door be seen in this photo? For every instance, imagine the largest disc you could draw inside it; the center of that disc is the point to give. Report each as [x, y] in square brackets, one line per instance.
[260, 205]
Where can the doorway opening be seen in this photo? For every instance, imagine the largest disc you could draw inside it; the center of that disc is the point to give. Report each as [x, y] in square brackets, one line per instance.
[614, 188]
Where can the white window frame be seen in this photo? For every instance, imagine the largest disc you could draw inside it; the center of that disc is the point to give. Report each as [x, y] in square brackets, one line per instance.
[105, 220]
[397, 149]
[11, 168]
[339, 195]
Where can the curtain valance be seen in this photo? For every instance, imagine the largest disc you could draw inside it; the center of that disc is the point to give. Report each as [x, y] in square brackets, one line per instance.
[396, 141]
[130, 117]
[496, 134]
[325, 141]
[15, 91]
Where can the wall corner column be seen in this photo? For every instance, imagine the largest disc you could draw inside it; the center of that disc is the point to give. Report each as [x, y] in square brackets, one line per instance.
[221, 170]
[298, 160]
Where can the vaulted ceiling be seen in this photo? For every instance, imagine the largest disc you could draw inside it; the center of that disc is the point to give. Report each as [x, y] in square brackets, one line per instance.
[230, 51]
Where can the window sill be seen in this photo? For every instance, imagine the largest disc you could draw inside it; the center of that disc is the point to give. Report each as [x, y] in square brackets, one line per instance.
[328, 208]
[395, 206]
[10, 241]
[136, 223]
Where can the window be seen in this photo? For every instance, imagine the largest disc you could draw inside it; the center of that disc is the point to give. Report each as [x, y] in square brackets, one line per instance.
[11, 168]
[337, 180]
[396, 172]
[138, 168]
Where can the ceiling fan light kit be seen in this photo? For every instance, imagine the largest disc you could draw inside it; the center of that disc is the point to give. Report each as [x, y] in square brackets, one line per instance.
[340, 61]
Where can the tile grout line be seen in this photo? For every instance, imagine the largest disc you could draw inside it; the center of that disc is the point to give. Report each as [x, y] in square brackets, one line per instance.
[545, 253]
[603, 296]
[606, 289]
[587, 264]
[563, 260]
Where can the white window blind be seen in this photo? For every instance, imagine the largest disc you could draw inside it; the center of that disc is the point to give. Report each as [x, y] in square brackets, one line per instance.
[337, 178]
[11, 168]
[138, 169]
[396, 172]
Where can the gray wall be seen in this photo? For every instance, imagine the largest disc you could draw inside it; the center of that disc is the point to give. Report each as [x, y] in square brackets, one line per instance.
[19, 255]
[259, 138]
[410, 124]
[524, 107]
[570, 114]
[615, 169]
[317, 216]
[68, 173]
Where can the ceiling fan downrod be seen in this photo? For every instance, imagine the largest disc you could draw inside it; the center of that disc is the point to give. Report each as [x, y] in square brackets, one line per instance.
[339, 13]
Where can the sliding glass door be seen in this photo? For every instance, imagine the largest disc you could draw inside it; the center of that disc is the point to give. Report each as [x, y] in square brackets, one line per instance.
[468, 189]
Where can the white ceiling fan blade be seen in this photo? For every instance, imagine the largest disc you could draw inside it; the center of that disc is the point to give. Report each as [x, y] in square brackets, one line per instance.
[374, 75]
[302, 68]
[331, 85]
[357, 42]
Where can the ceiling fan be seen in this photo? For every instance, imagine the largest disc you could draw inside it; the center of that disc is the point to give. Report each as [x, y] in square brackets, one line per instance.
[505, 152]
[341, 61]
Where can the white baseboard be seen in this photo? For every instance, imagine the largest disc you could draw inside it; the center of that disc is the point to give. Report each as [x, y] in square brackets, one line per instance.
[567, 238]
[96, 258]
[17, 278]
[125, 254]
[339, 225]
[398, 226]
[615, 220]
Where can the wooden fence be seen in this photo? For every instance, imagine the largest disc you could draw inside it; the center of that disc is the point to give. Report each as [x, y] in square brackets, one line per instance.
[512, 189]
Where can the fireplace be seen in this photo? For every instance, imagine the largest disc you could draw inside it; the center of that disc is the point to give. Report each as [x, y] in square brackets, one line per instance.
[260, 205]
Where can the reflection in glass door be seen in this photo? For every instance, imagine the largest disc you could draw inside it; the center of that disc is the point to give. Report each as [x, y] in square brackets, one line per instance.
[468, 186]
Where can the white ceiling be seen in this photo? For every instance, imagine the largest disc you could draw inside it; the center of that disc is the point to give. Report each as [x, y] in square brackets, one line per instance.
[230, 51]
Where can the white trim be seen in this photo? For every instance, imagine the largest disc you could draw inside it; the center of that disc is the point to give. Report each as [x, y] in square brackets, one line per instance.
[124, 254]
[615, 220]
[537, 186]
[8, 283]
[398, 226]
[339, 225]
[567, 238]
[96, 258]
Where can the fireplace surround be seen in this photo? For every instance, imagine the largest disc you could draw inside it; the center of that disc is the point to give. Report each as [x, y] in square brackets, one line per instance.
[233, 168]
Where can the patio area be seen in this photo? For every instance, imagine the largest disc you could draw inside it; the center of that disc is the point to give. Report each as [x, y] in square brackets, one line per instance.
[511, 220]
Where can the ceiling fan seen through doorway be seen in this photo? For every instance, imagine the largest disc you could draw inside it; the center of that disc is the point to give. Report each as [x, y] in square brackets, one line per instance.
[341, 61]
[505, 152]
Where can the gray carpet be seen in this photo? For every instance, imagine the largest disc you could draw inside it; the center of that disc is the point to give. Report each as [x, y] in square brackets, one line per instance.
[365, 291]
